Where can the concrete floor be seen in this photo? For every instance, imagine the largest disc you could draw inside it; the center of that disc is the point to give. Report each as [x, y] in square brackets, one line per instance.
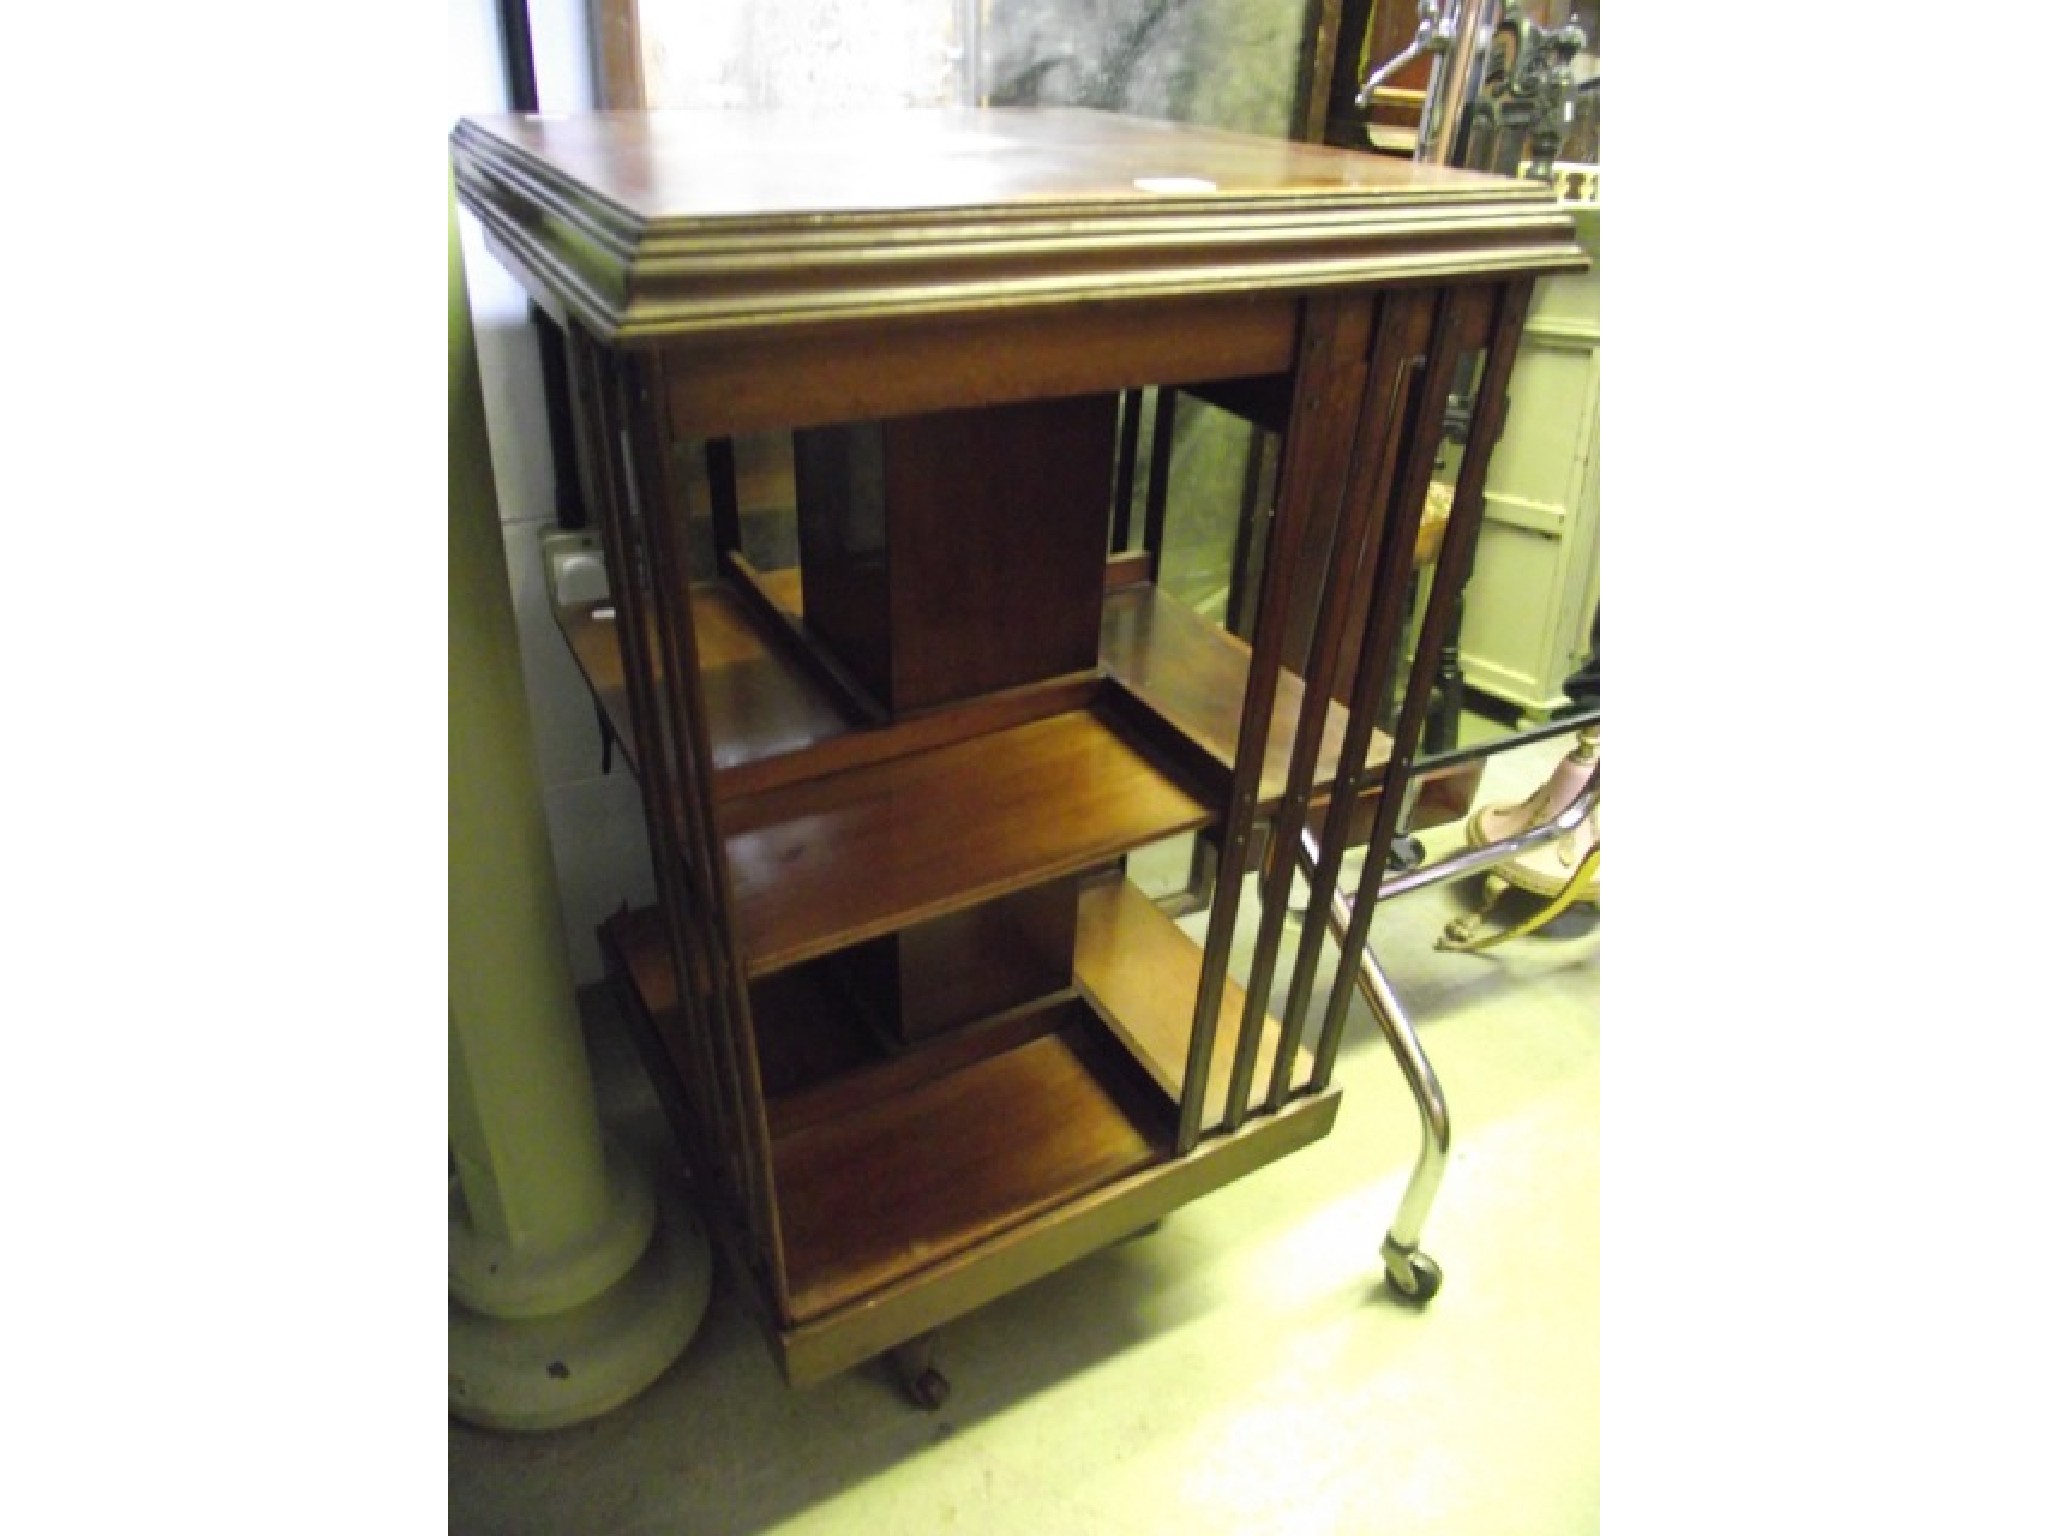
[1243, 1367]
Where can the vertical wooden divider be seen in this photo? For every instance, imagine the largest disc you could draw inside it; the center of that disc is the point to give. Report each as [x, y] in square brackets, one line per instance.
[677, 838]
[692, 948]
[664, 523]
[1508, 306]
[1387, 558]
[1166, 398]
[1130, 408]
[601, 453]
[1385, 413]
[1330, 379]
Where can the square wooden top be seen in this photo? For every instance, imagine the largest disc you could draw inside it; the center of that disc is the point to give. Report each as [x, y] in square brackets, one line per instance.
[666, 166]
[647, 226]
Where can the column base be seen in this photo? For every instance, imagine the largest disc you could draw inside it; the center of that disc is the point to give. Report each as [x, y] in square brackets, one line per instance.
[542, 1373]
[498, 1278]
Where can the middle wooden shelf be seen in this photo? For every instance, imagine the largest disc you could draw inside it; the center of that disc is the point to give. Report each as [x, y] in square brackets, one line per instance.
[825, 863]
[838, 830]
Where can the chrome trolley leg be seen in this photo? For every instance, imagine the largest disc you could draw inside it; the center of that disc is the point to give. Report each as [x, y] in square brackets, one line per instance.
[1409, 1270]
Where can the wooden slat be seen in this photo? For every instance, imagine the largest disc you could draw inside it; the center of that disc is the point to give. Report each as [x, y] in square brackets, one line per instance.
[904, 1181]
[826, 863]
[1510, 305]
[687, 836]
[621, 71]
[1328, 380]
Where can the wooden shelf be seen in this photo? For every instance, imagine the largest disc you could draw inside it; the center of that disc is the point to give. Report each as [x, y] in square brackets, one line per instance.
[904, 1181]
[591, 630]
[762, 706]
[757, 704]
[818, 1058]
[884, 1165]
[1192, 674]
[1132, 965]
[1140, 972]
[827, 862]
[859, 848]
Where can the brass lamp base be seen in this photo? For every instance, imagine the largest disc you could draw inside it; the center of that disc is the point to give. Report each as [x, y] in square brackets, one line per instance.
[1564, 872]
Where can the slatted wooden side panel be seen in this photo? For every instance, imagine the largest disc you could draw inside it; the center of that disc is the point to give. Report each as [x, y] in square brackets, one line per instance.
[643, 520]
[1489, 316]
[1375, 376]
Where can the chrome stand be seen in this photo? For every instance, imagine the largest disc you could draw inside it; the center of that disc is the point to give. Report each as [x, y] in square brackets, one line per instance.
[1410, 1271]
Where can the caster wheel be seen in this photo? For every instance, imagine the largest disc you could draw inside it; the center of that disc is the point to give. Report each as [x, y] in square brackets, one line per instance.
[917, 1374]
[1426, 1278]
[929, 1390]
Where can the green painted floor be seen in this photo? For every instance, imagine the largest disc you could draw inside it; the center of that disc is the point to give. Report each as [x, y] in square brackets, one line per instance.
[1241, 1368]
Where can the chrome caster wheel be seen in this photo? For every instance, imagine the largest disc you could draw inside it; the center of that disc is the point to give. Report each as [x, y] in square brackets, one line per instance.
[1414, 1275]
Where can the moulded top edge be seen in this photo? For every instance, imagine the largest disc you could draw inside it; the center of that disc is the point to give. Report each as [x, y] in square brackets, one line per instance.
[681, 168]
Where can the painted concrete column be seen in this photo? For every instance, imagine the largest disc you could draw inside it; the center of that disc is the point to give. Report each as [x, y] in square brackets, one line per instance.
[570, 1290]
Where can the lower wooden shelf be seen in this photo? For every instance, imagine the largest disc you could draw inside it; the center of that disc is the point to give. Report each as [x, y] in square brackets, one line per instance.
[905, 1180]
[885, 1161]
[1140, 972]
[914, 1185]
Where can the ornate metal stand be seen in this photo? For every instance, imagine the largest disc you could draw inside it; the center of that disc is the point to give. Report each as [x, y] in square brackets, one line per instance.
[1562, 871]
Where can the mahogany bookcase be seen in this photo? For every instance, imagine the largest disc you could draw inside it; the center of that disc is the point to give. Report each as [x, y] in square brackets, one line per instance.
[922, 1039]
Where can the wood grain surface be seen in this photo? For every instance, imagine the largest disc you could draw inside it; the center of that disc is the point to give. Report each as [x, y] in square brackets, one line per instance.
[903, 1181]
[829, 862]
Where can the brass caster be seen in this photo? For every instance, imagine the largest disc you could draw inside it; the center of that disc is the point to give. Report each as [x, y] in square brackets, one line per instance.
[1463, 932]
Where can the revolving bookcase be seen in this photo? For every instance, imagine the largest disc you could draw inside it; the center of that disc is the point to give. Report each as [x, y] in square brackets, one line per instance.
[922, 1038]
